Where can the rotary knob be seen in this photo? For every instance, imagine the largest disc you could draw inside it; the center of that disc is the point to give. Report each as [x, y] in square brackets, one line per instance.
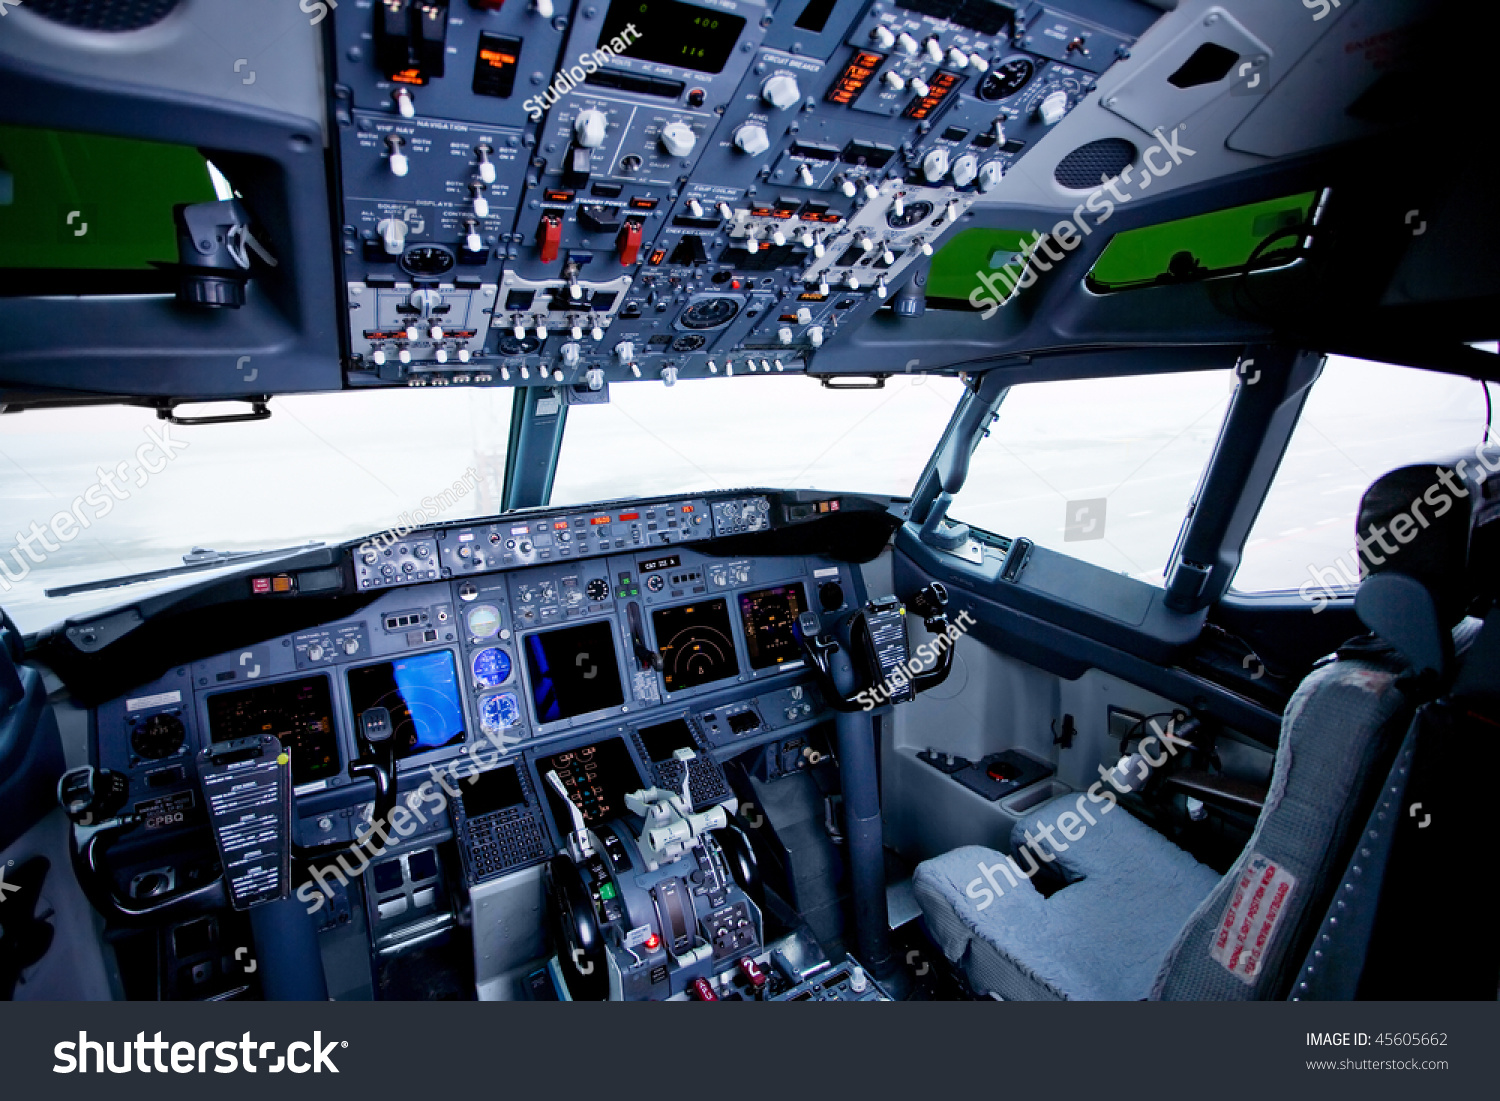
[935, 165]
[589, 128]
[392, 235]
[780, 91]
[678, 139]
[752, 139]
[965, 169]
[1053, 108]
[990, 175]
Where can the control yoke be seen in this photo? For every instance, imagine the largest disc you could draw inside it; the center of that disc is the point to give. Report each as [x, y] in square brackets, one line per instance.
[379, 764]
[94, 799]
[880, 650]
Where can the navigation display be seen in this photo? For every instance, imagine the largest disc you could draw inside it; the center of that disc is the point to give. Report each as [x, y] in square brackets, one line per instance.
[420, 692]
[573, 671]
[770, 621]
[696, 643]
[673, 33]
[299, 712]
[597, 778]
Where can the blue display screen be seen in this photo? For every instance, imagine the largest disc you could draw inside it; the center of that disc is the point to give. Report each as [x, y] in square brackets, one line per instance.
[422, 695]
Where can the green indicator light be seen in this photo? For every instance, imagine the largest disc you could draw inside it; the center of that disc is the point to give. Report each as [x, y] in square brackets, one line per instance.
[607, 891]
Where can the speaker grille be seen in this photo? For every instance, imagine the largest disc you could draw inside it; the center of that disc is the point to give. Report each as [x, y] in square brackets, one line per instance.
[104, 15]
[1082, 169]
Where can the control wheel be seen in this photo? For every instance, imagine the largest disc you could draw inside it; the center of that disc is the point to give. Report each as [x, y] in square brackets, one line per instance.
[742, 863]
[577, 938]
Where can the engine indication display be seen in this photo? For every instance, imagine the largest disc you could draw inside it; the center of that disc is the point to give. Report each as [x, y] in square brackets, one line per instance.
[300, 714]
[696, 643]
[770, 620]
[597, 778]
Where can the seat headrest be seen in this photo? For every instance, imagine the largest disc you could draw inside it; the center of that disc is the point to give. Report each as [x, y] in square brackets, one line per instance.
[1412, 536]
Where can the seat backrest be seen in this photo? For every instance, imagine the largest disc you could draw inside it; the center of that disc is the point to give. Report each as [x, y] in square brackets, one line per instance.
[1339, 735]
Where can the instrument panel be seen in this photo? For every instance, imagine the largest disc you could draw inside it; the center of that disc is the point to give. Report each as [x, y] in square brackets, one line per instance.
[537, 192]
[607, 653]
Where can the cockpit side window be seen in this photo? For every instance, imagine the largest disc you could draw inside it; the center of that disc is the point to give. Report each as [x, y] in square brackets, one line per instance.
[1099, 469]
[1361, 420]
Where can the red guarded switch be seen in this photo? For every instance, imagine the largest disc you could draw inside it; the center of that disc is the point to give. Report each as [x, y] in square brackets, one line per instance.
[704, 991]
[629, 241]
[752, 973]
[549, 237]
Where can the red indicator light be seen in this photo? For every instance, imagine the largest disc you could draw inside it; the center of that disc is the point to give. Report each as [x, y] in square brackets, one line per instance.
[630, 516]
[653, 942]
[260, 584]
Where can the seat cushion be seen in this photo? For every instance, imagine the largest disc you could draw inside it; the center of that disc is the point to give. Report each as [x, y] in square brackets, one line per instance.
[1103, 937]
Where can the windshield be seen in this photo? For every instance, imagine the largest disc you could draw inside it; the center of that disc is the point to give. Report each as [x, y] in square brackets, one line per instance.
[99, 492]
[779, 430]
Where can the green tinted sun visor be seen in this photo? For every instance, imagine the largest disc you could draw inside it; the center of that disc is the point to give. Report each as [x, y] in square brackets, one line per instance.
[78, 211]
[973, 260]
[1255, 235]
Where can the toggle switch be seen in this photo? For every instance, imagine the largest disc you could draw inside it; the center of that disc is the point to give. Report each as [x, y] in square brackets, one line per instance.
[486, 166]
[549, 236]
[397, 159]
